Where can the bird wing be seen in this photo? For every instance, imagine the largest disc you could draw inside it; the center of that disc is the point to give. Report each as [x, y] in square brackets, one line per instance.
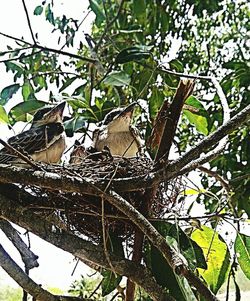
[32, 141]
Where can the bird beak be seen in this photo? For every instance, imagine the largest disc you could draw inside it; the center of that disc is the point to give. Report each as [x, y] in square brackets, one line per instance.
[56, 112]
[128, 111]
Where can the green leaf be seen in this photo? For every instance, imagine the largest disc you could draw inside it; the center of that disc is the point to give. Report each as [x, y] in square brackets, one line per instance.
[3, 115]
[188, 247]
[155, 101]
[27, 90]
[135, 53]
[20, 111]
[139, 8]
[67, 83]
[242, 249]
[200, 118]
[74, 125]
[164, 22]
[16, 68]
[178, 286]
[141, 82]
[96, 8]
[38, 10]
[218, 258]
[49, 15]
[176, 65]
[8, 92]
[117, 78]
[110, 280]
[163, 273]
[78, 103]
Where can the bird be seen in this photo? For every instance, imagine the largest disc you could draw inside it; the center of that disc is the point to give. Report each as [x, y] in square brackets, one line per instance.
[117, 133]
[43, 142]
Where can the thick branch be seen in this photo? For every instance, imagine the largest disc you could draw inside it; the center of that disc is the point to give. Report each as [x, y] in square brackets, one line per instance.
[28, 257]
[80, 247]
[208, 142]
[35, 290]
[23, 279]
[184, 90]
[160, 243]
[12, 174]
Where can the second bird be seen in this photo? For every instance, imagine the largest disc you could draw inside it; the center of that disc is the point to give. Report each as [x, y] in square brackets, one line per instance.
[43, 142]
[117, 133]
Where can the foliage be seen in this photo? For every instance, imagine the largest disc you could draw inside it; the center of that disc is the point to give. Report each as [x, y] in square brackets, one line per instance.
[84, 287]
[129, 48]
[8, 293]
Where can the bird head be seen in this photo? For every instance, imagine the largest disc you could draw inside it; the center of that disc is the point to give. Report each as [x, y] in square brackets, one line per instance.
[49, 115]
[119, 120]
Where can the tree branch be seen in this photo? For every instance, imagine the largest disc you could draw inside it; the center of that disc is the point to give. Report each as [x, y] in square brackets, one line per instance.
[35, 290]
[28, 257]
[219, 178]
[81, 248]
[23, 279]
[20, 57]
[109, 25]
[44, 48]
[13, 174]
[29, 23]
[160, 243]
[209, 141]
[184, 90]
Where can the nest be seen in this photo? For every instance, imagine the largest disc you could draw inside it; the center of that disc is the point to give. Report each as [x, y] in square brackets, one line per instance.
[83, 213]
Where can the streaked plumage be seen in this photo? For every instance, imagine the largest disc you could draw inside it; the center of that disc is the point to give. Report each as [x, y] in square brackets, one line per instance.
[43, 142]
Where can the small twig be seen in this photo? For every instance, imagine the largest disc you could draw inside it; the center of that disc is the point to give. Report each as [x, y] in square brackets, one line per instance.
[77, 262]
[72, 55]
[16, 39]
[151, 219]
[35, 74]
[15, 50]
[29, 23]
[95, 290]
[109, 25]
[219, 178]
[44, 48]
[20, 57]
[19, 154]
[104, 237]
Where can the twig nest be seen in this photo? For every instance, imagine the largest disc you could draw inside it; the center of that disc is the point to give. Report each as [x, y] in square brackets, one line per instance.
[83, 213]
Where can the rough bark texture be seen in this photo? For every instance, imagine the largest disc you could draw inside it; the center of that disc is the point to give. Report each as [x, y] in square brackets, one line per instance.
[81, 248]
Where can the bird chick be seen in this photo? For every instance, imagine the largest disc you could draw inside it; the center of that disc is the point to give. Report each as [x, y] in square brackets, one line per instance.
[117, 133]
[43, 142]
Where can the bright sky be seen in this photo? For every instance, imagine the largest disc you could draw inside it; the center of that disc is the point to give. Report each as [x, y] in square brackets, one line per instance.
[56, 265]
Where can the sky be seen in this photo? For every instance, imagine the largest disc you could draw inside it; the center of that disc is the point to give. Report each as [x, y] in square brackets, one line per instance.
[56, 265]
